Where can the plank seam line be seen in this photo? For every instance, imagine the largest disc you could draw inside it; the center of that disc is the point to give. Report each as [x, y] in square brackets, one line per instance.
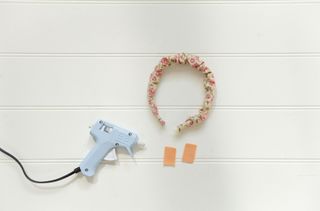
[217, 2]
[143, 55]
[159, 160]
[167, 107]
[222, 159]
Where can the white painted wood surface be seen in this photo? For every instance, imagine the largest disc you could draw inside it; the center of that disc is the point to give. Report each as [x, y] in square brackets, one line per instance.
[64, 64]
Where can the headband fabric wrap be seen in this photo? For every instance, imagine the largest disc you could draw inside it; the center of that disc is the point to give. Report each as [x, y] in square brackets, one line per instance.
[209, 85]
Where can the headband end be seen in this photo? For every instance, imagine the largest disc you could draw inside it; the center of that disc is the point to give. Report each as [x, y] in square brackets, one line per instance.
[162, 122]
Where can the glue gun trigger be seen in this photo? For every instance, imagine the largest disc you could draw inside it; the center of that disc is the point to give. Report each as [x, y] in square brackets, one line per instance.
[111, 156]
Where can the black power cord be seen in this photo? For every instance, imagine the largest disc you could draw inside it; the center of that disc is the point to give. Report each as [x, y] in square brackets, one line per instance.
[75, 171]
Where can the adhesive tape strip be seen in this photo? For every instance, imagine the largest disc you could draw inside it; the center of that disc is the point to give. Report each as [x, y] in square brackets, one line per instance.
[189, 153]
[169, 156]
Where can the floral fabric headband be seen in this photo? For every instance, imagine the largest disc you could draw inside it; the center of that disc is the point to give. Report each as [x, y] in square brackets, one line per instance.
[209, 85]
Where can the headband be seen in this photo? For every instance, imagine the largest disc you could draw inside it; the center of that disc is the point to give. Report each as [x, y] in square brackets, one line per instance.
[209, 85]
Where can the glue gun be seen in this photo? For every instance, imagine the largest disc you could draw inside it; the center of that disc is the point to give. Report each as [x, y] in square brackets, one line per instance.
[108, 137]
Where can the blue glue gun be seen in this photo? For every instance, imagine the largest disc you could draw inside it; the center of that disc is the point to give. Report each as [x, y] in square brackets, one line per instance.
[107, 137]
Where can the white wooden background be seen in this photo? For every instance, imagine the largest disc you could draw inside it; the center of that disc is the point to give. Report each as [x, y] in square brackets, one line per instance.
[64, 64]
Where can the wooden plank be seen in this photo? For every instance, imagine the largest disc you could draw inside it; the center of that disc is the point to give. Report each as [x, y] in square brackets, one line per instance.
[139, 187]
[229, 133]
[122, 81]
[65, 64]
[162, 2]
[125, 28]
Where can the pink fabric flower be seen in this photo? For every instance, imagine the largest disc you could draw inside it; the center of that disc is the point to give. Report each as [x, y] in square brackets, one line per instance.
[189, 122]
[165, 61]
[209, 96]
[159, 72]
[162, 122]
[194, 61]
[203, 117]
[154, 78]
[151, 92]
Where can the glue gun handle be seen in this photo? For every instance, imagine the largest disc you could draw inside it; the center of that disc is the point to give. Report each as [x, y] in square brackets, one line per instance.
[90, 163]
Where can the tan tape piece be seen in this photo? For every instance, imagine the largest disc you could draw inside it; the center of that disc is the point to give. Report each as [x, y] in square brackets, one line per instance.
[169, 156]
[189, 153]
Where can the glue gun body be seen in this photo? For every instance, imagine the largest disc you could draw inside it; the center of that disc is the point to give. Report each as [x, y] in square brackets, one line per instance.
[107, 137]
